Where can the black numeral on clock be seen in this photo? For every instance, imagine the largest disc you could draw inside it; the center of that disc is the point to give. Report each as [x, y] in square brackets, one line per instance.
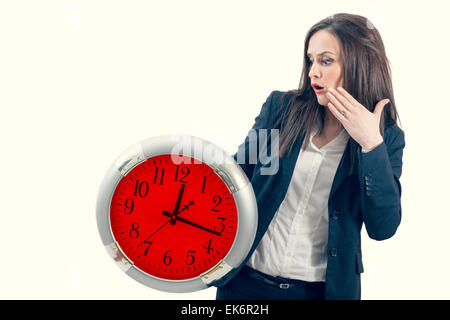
[129, 206]
[167, 260]
[207, 246]
[134, 233]
[203, 184]
[148, 243]
[157, 172]
[141, 189]
[190, 259]
[185, 171]
[217, 200]
[220, 227]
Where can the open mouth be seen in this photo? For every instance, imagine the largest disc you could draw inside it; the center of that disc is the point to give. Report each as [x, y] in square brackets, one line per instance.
[317, 87]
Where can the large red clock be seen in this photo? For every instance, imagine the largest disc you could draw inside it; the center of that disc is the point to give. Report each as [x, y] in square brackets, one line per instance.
[176, 219]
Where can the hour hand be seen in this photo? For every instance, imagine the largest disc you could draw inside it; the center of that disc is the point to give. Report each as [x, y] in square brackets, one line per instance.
[180, 194]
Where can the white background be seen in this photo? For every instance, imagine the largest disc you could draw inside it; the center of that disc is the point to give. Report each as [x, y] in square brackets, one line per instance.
[80, 81]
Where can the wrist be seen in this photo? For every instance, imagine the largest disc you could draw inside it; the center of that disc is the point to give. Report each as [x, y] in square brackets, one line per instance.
[372, 145]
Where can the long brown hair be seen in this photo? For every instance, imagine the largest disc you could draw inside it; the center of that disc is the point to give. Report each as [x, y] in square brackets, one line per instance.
[366, 76]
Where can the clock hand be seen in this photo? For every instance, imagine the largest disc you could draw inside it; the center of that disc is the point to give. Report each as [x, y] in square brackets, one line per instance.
[180, 194]
[191, 223]
[177, 204]
[186, 206]
[146, 239]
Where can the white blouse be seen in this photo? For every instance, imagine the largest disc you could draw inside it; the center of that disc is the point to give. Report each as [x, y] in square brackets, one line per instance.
[295, 244]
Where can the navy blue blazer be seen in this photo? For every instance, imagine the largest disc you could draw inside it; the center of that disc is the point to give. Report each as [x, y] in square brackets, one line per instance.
[370, 195]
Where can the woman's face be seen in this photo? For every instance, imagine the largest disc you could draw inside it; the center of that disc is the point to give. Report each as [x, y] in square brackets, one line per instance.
[325, 64]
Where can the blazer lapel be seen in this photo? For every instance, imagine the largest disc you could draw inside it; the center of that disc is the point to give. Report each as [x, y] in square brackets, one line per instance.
[342, 171]
[287, 163]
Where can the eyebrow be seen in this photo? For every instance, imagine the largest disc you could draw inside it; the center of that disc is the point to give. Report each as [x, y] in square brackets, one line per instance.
[322, 53]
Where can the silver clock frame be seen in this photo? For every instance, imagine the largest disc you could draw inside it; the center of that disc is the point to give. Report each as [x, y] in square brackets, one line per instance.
[223, 164]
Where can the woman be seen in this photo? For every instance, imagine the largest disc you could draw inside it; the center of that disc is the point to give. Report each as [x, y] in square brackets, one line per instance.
[340, 160]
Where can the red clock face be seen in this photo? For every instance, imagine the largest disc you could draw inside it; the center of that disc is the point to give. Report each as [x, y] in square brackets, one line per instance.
[173, 220]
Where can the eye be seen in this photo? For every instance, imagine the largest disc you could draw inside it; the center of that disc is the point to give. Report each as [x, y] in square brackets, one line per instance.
[325, 61]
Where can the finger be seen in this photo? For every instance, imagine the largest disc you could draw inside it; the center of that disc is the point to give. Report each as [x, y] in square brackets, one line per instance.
[380, 106]
[342, 100]
[337, 103]
[337, 114]
[348, 96]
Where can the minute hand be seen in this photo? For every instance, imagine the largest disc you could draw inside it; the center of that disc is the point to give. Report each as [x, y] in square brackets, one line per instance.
[178, 218]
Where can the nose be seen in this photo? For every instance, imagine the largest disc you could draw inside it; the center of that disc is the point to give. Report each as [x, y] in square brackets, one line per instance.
[314, 71]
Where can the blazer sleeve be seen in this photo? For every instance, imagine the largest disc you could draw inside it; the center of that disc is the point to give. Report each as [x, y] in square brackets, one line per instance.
[247, 154]
[379, 174]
